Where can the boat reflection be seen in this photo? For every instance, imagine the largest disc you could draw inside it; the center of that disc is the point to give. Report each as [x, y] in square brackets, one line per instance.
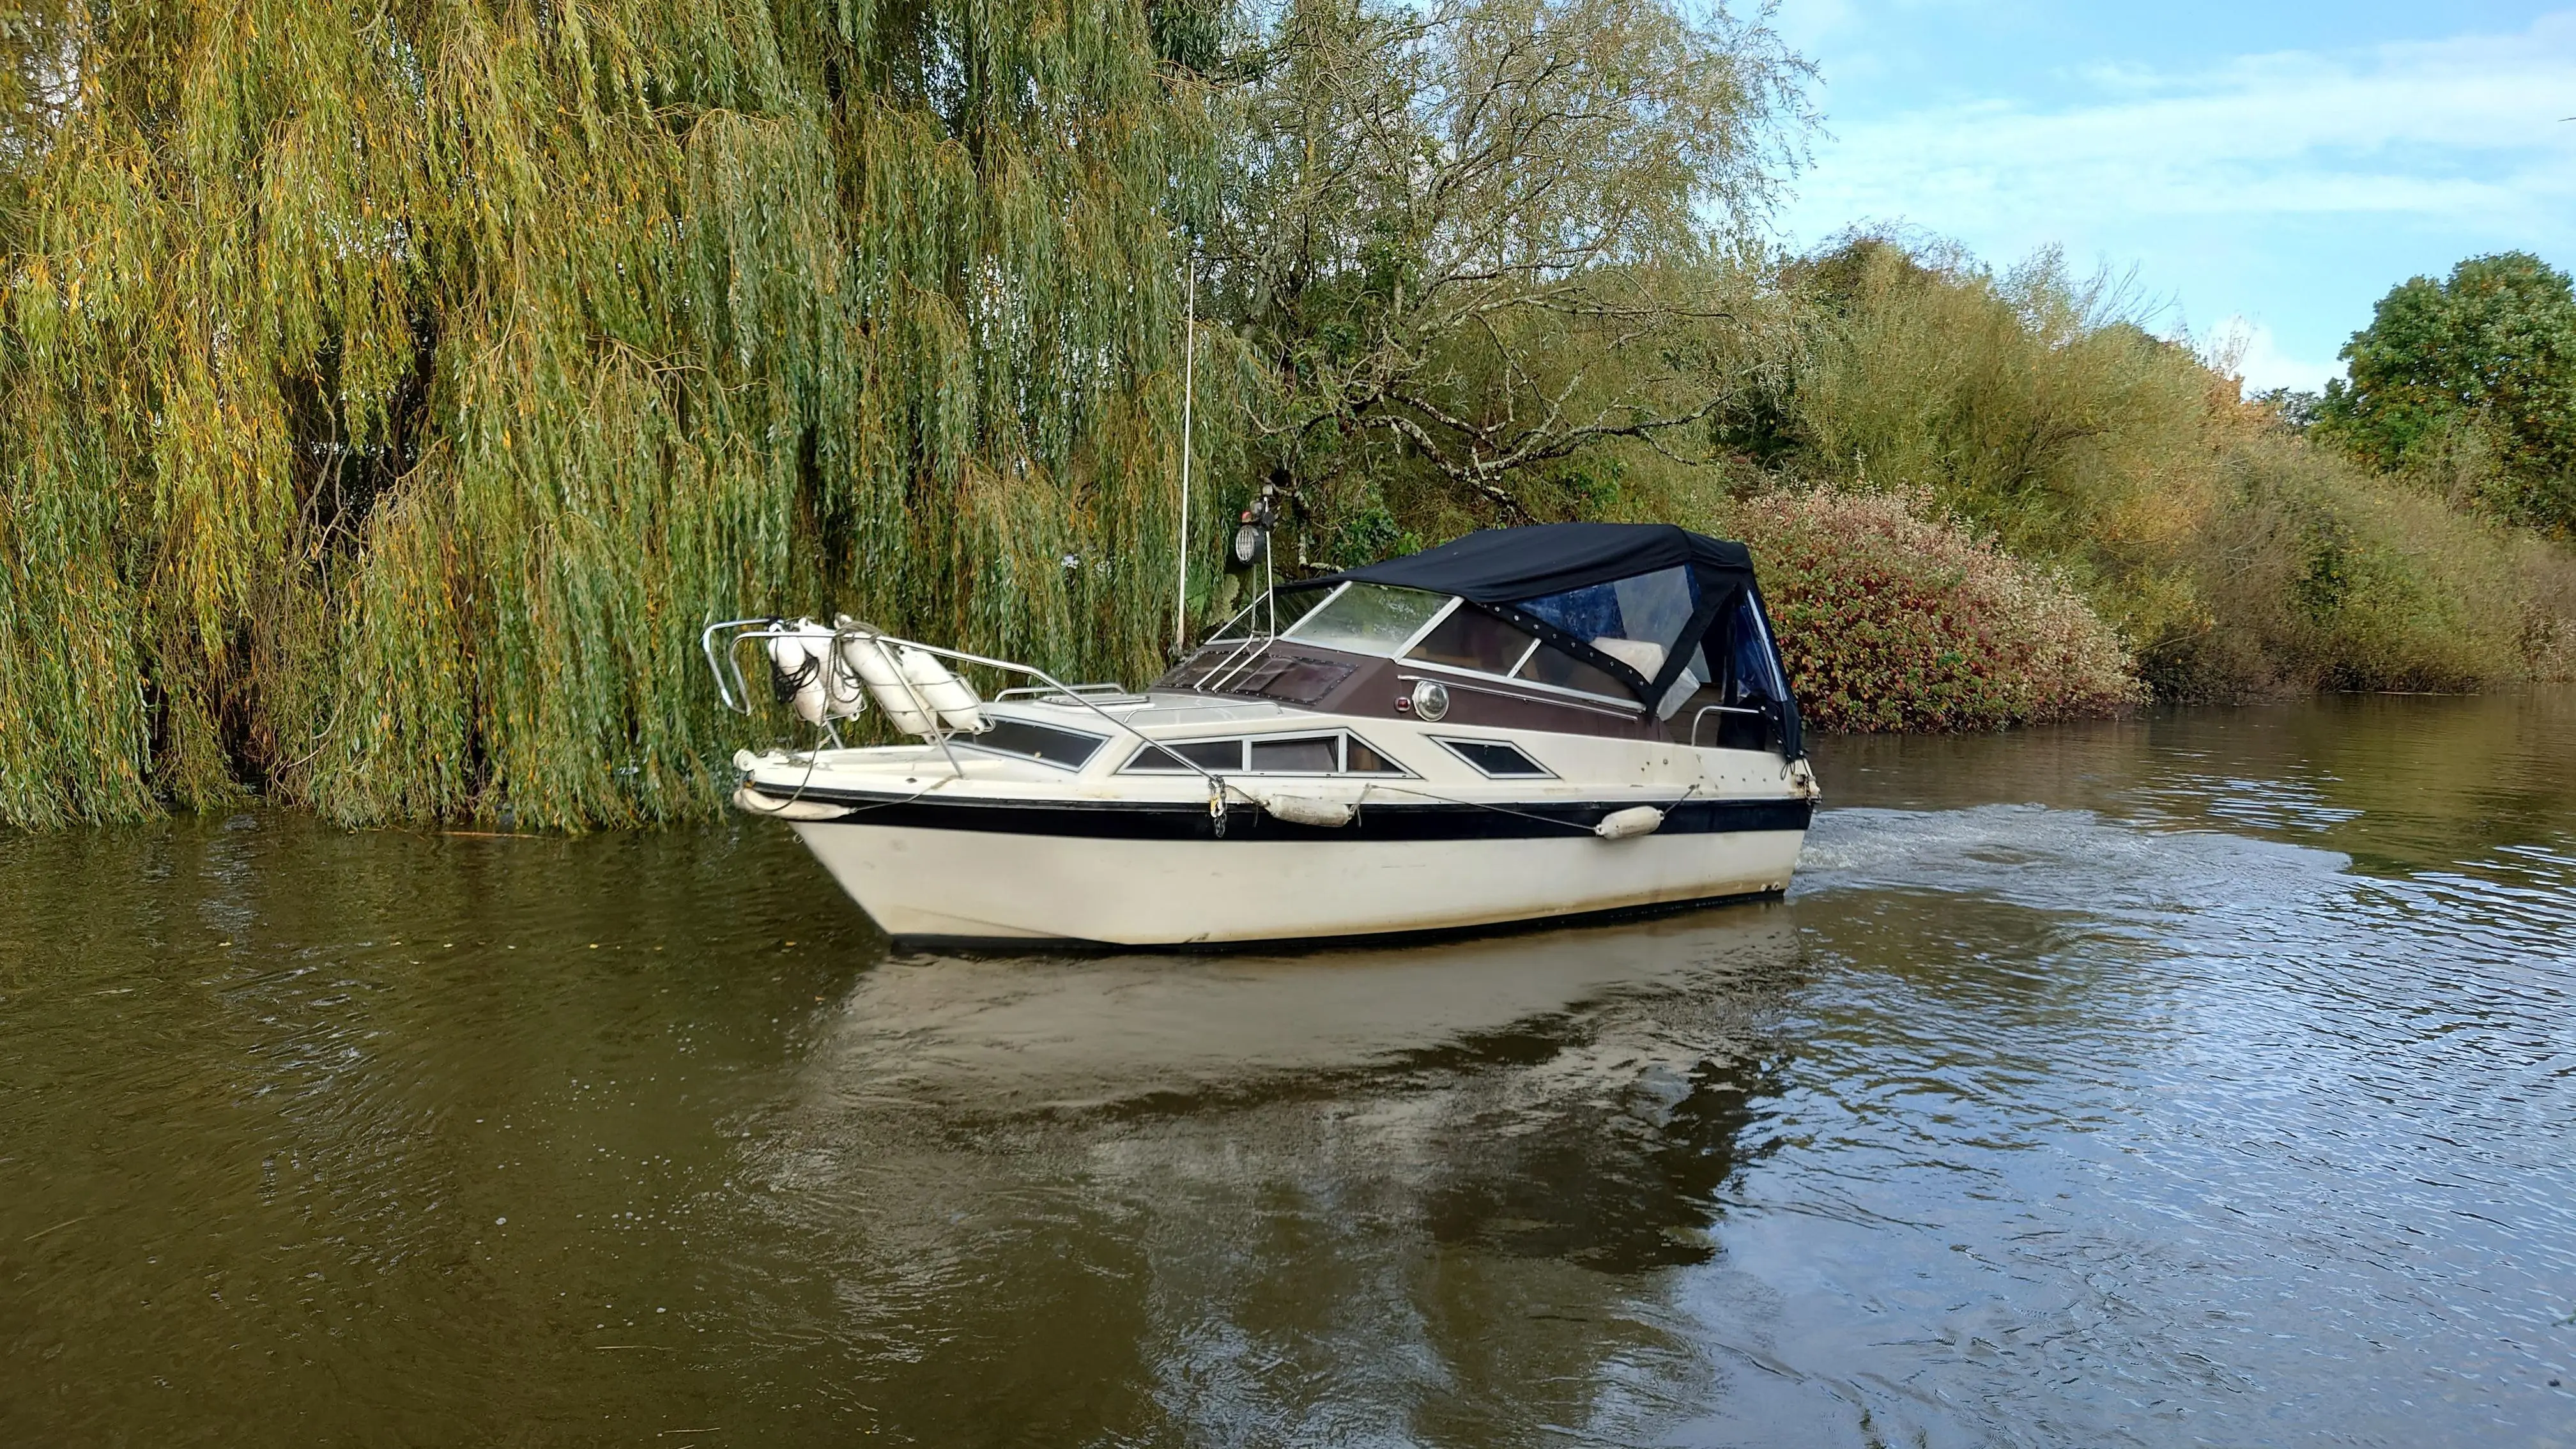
[1574, 1094]
[1466, 1153]
[1162, 1032]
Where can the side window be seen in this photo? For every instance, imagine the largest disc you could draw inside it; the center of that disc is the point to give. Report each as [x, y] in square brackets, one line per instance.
[1065, 748]
[1206, 754]
[1470, 638]
[1491, 757]
[1756, 676]
[1364, 760]
[1637, 621]
[1333, 754]
[1549, 665]
[1317, 755]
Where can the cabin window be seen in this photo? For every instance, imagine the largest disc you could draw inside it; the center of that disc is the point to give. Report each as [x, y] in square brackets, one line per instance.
[1363, 759]
[1635, 621]
[1337, 753]
[1067, 749]
[1470, 638]
[1311, 756]
[1369, 618]
[1176, 759]
[1491, 757]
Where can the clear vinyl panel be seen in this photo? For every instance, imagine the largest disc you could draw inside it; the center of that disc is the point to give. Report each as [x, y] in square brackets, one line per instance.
[1635, 620]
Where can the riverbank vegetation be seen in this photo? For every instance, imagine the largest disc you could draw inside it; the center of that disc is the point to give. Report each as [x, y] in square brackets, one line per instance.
[1892, 617]
[2234, 555]
[389, 395]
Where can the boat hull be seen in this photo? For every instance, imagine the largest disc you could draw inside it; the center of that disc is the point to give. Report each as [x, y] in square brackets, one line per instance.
[1127, 882]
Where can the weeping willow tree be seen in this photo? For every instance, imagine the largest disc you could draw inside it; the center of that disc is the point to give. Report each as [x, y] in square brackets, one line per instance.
[389, 389]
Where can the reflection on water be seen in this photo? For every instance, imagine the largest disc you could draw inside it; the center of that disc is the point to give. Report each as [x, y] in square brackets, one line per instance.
[2197, 1079]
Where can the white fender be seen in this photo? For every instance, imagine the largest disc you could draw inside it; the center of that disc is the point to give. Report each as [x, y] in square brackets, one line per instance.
[844, 697]
[1306, 810]
[1301, 809]
[960, 708]
[1633, 821]
[804, 656]
[746, 800]
[864, 656]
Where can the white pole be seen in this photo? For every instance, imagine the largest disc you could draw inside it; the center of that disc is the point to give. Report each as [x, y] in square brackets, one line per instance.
[1189, 359]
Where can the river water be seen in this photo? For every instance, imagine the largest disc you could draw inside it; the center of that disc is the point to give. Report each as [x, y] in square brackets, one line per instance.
[2200, 1079]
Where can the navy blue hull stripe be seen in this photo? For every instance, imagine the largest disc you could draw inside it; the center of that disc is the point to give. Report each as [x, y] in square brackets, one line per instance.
[1129, 820]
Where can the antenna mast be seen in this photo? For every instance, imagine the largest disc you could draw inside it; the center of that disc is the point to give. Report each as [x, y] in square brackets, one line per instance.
[1189, 379]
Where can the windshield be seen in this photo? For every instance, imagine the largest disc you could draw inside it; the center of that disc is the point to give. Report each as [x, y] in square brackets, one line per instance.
[1369, 618]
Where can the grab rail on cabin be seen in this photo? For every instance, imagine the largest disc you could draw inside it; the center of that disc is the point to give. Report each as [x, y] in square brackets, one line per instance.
[1106, 690]
[1709, 709]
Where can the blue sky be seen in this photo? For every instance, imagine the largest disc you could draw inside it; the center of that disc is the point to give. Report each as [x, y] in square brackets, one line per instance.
[2268, 169]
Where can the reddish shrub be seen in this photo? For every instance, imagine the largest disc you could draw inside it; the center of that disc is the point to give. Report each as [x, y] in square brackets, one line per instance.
[1891, 618]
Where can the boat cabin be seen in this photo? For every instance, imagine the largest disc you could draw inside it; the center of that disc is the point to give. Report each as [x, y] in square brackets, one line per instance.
[1628, 630]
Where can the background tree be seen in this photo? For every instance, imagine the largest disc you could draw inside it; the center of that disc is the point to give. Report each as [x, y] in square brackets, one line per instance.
[1482, 236]
[2491, 348]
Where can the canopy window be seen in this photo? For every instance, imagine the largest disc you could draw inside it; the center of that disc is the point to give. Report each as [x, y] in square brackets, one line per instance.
[1635, 620]
[1444, 629]
[1624, 609]
[1470, 637]
[1753, 676]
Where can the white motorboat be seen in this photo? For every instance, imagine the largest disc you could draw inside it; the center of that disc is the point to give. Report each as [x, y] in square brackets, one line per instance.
[1527, 724]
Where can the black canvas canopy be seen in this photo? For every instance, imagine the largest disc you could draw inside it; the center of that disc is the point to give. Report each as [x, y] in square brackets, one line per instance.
[1499, 568]
[1507, 565]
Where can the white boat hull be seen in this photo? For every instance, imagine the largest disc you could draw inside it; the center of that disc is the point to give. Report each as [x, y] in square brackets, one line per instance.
[987, 885]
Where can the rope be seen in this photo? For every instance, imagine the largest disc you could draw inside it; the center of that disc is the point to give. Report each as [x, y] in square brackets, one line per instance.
[802, 785]
[812, 758]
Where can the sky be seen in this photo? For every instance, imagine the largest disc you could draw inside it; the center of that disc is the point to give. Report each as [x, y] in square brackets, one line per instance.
[2266, 169]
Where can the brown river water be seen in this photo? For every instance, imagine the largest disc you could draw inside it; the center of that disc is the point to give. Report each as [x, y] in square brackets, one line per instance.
[2208, 1078]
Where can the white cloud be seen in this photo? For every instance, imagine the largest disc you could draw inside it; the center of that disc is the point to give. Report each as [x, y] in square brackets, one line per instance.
[2460, 130]
[2248, 350]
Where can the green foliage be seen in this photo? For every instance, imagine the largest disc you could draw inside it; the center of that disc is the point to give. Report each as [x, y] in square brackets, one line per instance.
[2029, 404]
[1892, 618]
[1472, 238]
[35, 77]
[2322, 577]
[2490, 350]
[2232, 556]
[392, 392]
